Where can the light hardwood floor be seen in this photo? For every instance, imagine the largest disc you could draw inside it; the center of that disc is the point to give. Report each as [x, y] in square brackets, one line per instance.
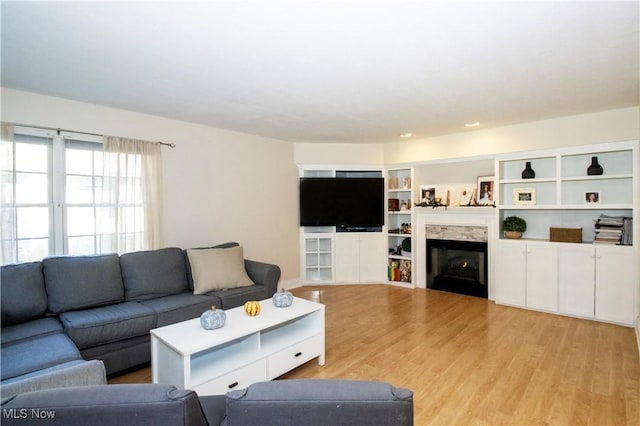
[472, 362]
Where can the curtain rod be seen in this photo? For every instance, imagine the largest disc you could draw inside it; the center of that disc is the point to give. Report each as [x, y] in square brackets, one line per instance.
[58, 130]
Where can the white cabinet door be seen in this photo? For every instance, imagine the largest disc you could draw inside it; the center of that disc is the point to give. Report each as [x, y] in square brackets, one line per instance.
[347, 258]
[576, 280]
[542, 277]
[360, 258]
[511, 273]
[373, 264]
[614, 284]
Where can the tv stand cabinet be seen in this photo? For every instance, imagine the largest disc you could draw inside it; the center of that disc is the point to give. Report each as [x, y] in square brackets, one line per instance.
[331, 255]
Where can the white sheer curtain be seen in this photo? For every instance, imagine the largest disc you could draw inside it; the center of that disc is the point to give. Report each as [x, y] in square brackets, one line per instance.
[130, 216]
[7, 211]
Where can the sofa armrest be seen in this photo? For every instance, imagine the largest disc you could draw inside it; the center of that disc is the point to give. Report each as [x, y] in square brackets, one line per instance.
[265, 274]
[74, 373]
[320, 402]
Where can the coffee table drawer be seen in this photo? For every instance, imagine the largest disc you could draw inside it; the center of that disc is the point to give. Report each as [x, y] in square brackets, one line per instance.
[237, 379]
[293, 356]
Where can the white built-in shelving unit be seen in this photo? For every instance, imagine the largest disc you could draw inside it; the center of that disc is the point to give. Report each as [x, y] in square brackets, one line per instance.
[400, 200]
[587, 280]
[330, 257]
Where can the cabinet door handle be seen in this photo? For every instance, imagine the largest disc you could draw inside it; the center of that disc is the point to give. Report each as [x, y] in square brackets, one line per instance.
[233, 385]
[297, 355]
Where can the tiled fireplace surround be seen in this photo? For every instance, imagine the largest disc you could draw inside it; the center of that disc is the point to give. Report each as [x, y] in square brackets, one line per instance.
[461, 216]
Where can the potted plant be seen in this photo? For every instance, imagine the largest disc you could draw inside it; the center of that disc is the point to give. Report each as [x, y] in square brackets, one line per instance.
[514, 226]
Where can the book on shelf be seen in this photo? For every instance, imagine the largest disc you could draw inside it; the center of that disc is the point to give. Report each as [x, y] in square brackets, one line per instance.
[613, 230]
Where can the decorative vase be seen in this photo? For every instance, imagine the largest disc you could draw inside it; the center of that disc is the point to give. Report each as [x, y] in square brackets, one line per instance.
[594, 168]
[213, 318]
[282, 299]
[513, 235]
[528, 172]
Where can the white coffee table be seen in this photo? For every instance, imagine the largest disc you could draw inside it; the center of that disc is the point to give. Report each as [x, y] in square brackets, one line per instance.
[246, 350]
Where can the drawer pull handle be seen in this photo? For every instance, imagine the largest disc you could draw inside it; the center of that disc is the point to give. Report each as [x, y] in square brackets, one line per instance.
[233, 385]
[298, 354]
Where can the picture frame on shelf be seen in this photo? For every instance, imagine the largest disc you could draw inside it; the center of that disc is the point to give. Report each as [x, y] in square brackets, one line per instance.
[524, 196]
[485, 190]
[427, 193]
[592, 197]
[393, 183]
[406, 182]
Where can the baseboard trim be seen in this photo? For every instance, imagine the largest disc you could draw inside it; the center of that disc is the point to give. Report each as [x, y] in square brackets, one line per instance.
[638, 334]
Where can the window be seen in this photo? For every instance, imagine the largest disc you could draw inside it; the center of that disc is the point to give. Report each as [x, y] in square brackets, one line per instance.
[26, 202]
[54, 200]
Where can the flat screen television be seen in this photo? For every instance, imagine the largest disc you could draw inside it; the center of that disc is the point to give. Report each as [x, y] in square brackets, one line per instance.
[348, 203]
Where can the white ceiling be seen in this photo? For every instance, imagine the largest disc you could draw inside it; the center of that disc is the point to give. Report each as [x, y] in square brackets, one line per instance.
[329, 71]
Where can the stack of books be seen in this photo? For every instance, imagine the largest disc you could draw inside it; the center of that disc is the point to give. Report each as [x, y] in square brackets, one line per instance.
[627, 232]
[613, 230]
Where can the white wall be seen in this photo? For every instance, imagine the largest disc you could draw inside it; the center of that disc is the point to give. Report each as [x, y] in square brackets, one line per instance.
[338, 154]
[218, 185]
[586, 129]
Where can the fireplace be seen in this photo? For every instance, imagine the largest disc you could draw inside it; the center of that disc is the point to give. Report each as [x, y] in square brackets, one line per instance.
[457, 259]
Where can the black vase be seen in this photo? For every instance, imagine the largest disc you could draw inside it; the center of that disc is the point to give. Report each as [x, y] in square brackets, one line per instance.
[594, 168]
[528, 172]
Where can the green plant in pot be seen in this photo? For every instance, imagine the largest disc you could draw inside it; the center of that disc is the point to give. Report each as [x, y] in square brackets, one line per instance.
[514, 226]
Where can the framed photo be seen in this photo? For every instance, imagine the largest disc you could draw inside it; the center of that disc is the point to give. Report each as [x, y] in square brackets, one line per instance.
[592, 197]
[406, 183]
[427, 193]
[524, 196]
[485, 190]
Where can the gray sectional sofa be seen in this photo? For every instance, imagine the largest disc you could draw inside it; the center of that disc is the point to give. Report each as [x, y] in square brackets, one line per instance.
[63, 310]
[277, 403]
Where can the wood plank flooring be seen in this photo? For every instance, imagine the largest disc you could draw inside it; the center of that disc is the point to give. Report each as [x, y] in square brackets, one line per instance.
[472, 362]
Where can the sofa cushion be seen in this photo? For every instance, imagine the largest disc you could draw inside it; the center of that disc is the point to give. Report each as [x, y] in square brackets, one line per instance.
[155, 273]
[238, 296]
[319, 402]
[16, 281]
[180, 307]
[107, 324]
[35, 354]
[217, 268]
[80, 282]
[28, 330]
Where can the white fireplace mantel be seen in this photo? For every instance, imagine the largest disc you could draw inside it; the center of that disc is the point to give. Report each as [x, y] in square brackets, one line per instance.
[478, 216]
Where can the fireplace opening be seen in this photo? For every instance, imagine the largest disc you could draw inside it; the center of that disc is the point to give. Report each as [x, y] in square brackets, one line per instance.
[457, 266]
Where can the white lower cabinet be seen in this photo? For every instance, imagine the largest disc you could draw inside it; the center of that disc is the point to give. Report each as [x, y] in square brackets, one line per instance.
[511, 267]
[582, 280]
[597, 282]
[577, 275]
[542, 277]
[360, 258]
[527, 275]
[615, 284]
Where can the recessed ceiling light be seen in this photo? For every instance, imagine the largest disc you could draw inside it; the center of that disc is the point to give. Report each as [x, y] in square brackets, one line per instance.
[405, 135]
[474, 124]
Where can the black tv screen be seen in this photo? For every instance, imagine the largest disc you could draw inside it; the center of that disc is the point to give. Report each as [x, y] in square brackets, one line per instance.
[343, 202]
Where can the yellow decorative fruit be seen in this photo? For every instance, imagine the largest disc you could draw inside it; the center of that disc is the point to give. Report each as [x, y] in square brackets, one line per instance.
[252, 308]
